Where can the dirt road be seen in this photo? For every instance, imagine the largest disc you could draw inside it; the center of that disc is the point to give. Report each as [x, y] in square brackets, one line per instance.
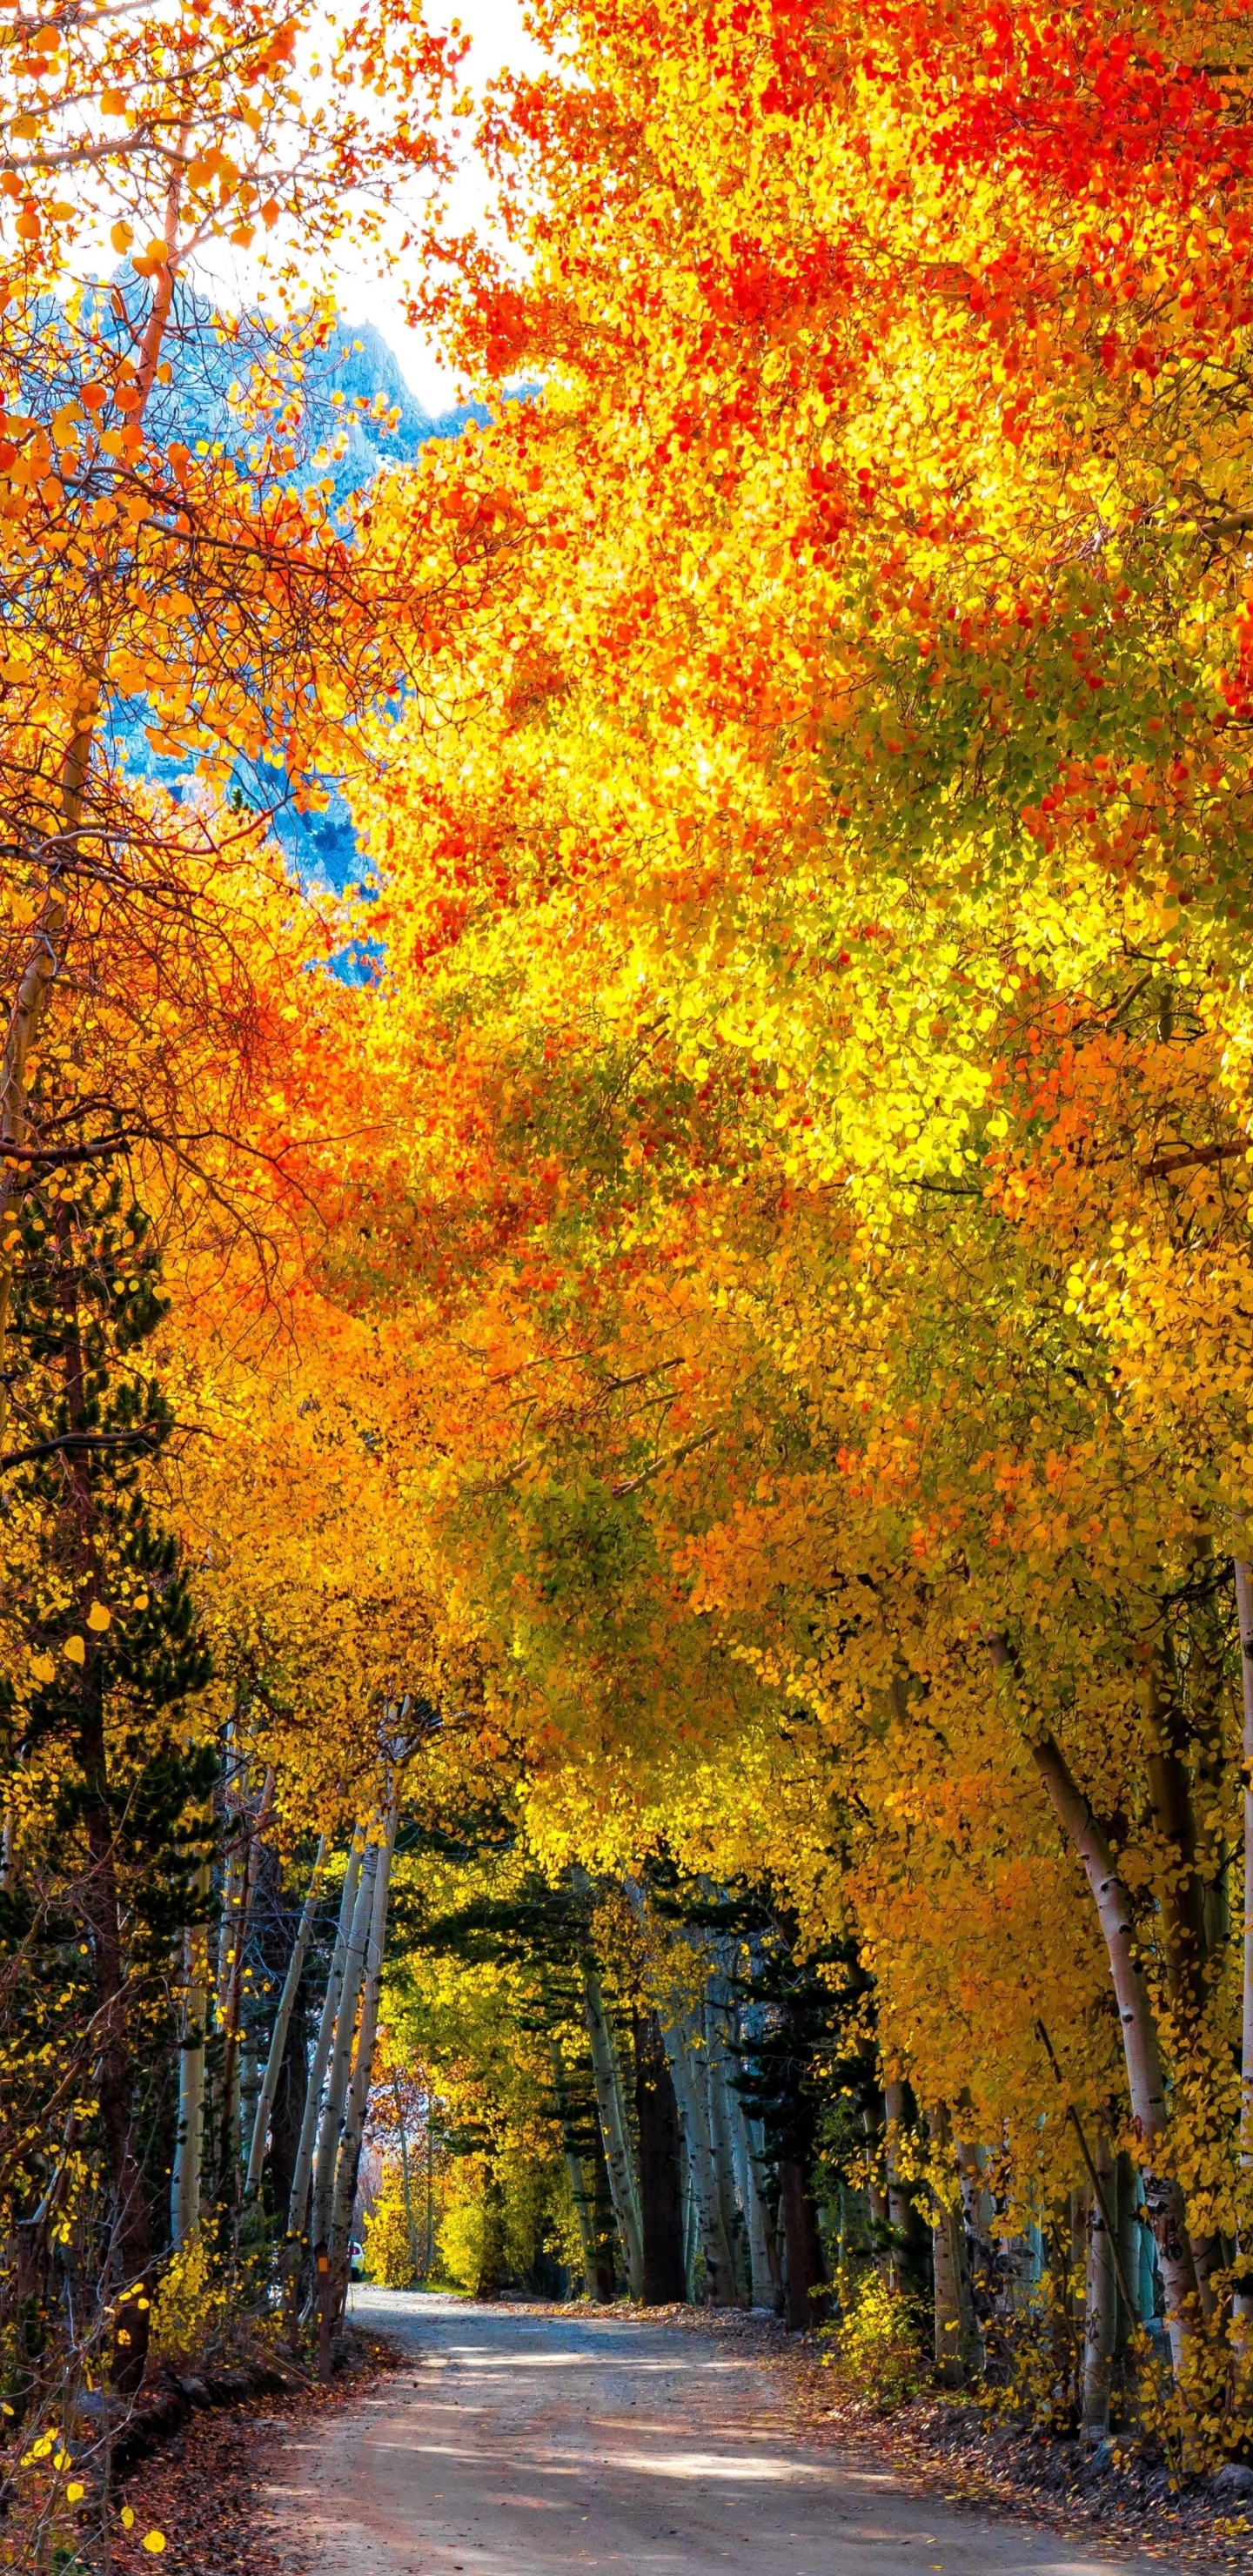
[529, 2445]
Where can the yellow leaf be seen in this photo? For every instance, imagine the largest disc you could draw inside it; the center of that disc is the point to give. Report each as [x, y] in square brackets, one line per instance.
[98, 1617]
[121, 236]
[155, 2541]
[43, 1669]
[128, 2517]
[75, 2491]
[76, 1651]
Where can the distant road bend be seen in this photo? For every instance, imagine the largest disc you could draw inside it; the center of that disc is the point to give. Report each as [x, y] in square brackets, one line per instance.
[527, 2445]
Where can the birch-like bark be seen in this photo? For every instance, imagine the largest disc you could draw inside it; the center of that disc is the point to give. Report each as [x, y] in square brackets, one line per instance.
[753, 2203]
[282, 2021]
[1100, 2295]
[232, 2004]
[689, 2092]
[976, 2214]
[767, 2270]
[1128, 2265]
[298, 2206]
[406, 2179]
[691, 2221]
[721, 2130]
[614, 2130]
[189, 2145]
[348, 2156]
[902, 2217]
[1141, 2049]
[950, 2366]
[1242, 2303]
[339, 2071]
[956, 2343]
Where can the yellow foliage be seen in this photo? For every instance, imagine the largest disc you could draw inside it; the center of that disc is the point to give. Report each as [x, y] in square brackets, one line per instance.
[878, 2348]
[191, 2304]
[389, 2245]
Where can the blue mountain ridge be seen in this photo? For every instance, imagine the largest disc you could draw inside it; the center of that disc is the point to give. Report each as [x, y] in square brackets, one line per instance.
[200, 406]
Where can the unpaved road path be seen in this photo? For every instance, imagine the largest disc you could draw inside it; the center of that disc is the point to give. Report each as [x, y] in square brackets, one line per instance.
[529, 2445]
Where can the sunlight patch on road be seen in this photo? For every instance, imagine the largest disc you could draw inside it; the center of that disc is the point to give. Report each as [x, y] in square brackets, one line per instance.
[711, 2464]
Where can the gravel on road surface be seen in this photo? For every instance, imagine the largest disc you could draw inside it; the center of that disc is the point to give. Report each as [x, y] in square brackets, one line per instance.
[524, 2443]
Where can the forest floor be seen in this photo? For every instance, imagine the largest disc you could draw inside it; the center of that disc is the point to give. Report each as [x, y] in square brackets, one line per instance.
[516, 2440]
[202, 2491]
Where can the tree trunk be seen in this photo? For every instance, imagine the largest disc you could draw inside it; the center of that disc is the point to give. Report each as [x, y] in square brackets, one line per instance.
[348, 2160]
[721, 2122]
[278, 2036]
[907, 2258]
[955, 2337]
[1181, 1902]
[339, 2070]
[1141, 2051]
[232, 2005]
[189, 2147]
[288, 2108]
[613, 2122]
[976, 2211]
[661, 2186]
[947, 2247]
[802, 2248]
[693, 2109]
[298, 2206]
[763, 2252]
[1100, 2298]
[1129, 2317]
[406, 2179]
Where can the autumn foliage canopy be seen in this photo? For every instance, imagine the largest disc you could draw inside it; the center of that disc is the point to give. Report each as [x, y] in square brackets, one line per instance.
[686, 1346]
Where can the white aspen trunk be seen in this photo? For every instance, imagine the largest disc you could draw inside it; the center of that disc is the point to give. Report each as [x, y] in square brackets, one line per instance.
[282, 2024]
[230, 1999]
[298, 2205]
[767, 2276]
[249, 2094]
[406, 2178]
[614, 2130]
[689, 2093]
[691, 2233]
[1141, 2049]
[721, 2135]
[949, 2362]
[1100, 2294]
[349, 2153]
[189, 2146]
[1128, 2268]
[339, 2071]
[753, 2204]
[953, 2301]
[976, 2216]
[900, 2206]
[1242, 2304]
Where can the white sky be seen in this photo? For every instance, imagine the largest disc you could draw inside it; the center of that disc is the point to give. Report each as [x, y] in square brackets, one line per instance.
[498, 41]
